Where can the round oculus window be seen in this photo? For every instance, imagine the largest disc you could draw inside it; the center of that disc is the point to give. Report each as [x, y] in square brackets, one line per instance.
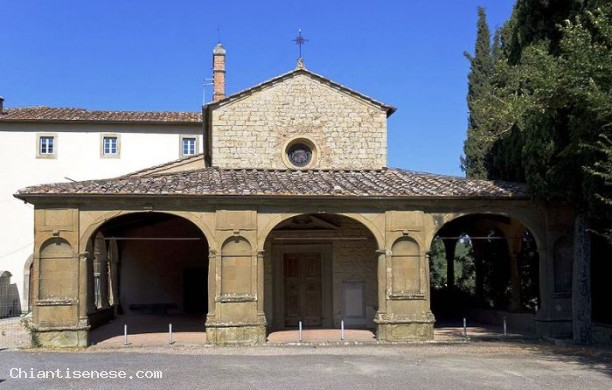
[299, 154]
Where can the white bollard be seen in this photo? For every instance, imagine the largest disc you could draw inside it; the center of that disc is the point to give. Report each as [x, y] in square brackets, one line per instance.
[464, 327]
[301, 331]
[170, 333]
[125, 334]
[342, 330]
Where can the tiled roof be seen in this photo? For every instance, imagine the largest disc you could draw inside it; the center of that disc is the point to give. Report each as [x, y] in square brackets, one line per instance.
[51, 114]
[385, 183]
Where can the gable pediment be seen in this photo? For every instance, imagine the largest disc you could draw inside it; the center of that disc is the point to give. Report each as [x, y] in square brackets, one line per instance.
[306, 76]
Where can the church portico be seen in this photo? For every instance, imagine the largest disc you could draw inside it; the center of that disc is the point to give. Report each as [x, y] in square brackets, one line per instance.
[290, 215]
[366, 264]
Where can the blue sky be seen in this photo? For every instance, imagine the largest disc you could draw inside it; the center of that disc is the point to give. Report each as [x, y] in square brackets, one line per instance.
[154, 55]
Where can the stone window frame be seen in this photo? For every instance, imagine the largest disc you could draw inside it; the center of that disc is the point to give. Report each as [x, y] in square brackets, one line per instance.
[39, 153]
[110, 155]
[316, 153]
[181, 141]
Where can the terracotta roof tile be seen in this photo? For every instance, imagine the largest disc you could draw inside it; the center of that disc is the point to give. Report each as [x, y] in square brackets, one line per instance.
[81, 115]
[385, 183]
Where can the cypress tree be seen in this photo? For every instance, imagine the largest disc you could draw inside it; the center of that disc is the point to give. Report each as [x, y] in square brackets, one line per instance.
[551, 103]
[478, 142]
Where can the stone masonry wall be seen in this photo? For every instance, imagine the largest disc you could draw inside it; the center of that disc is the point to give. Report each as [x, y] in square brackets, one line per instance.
[252, 132]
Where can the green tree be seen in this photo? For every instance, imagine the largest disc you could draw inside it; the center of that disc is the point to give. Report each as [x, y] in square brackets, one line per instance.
[548, 105]
[603, 170]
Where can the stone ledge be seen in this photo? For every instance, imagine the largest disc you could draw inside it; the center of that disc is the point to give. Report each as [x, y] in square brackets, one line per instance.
[56, 302]
[407, 297]
[236, 298]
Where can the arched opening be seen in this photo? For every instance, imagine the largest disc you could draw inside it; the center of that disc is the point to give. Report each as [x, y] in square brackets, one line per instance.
[485, 268]
[152, 270]
[320, 270]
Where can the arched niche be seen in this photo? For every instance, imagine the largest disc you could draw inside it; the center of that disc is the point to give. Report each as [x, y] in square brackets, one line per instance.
[236, 267]
[58, 271]
[406, 267]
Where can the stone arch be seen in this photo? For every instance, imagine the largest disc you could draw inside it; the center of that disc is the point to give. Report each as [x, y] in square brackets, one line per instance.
[527, 221]
[237, 267]
[100, 221]
[57, 270]
[373, 229]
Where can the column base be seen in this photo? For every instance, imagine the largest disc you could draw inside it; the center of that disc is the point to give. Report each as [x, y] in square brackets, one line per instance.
[554, 328]
[60, 337]
[398, 330]
[235, 334]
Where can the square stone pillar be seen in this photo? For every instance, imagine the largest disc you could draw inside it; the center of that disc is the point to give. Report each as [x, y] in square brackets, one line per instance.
[236, 279]
[402, 317]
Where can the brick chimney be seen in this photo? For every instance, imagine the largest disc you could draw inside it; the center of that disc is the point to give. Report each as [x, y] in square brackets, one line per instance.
[218, 72]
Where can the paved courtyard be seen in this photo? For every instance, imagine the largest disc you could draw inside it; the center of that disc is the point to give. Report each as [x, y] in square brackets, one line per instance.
[474, 365]
[485, 360]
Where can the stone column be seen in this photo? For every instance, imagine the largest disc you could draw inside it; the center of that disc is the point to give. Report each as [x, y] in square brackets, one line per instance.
[382, 283]
[260, 293]
[212, 285]
[104, 301]
[83, 288]
[114, 274]
[91, 303]
[515, 278]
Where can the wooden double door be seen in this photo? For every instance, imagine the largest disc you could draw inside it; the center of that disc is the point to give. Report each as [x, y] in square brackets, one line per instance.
[303, 289]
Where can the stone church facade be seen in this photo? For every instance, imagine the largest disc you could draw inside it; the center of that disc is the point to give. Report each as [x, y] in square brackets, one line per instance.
[290, 214]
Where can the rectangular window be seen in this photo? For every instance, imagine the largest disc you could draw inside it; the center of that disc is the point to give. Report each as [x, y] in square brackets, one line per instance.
[189, 146]
[110, 145]
[46, 145]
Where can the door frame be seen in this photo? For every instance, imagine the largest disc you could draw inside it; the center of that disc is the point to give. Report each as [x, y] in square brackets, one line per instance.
[278, 276]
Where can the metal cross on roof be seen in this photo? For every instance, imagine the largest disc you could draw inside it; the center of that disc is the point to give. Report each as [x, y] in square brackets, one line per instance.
[300, 40]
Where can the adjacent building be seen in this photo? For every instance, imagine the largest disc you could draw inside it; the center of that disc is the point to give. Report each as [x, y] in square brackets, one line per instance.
[45, 145]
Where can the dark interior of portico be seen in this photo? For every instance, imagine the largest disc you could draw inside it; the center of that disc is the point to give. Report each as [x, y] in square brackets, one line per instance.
[482, 265]
[150, 265]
